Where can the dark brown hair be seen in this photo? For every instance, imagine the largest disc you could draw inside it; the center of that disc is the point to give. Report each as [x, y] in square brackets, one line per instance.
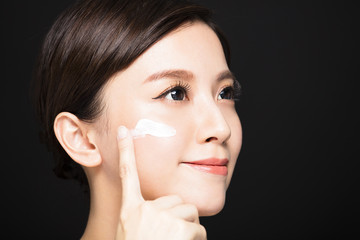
[88, 43]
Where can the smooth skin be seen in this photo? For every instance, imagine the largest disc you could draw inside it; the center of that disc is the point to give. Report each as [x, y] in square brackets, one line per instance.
[167, 217]
[144, 188]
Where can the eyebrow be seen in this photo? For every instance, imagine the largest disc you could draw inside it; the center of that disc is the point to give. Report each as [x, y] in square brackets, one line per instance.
[226, 75]
[186, 75]
[175, 74]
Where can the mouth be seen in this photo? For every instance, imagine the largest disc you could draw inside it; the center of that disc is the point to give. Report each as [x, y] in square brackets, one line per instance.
[217, 166]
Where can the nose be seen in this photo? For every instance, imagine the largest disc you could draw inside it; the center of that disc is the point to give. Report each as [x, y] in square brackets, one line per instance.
[212, 124]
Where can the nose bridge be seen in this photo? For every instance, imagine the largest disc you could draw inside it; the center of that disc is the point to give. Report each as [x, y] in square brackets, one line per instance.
[212, 122]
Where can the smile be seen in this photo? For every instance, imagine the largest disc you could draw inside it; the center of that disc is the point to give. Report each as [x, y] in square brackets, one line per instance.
[211, 165]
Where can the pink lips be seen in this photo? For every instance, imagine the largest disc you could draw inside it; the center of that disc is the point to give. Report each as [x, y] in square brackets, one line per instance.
[211, 165]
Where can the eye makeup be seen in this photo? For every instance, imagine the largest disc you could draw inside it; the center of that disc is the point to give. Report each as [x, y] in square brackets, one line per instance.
[230, 92]
[179, 86]
[179, 92]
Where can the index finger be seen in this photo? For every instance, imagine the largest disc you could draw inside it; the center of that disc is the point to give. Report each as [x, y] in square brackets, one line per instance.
[131, 192]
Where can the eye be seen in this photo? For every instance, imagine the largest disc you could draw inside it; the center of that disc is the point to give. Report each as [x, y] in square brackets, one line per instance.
[176, 94]
[227, 93]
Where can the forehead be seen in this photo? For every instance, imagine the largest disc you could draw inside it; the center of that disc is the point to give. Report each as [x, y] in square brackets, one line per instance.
[194, 48]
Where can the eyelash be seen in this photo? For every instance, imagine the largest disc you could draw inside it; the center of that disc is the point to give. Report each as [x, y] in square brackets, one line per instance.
[236, 91]
[186, 88]
[177, 86]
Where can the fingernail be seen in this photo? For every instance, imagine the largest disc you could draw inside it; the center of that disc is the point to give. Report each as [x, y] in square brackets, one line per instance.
[122, 132]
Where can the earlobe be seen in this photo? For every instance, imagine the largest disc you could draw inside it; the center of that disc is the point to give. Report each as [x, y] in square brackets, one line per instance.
[72, 135]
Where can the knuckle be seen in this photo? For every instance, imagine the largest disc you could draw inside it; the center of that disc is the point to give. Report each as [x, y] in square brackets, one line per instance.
[124, 170]
[203, 232]
[181, 226]
[165, 216]
[146, 208]
[123, 217]
[177, 198]
[124, 145]
[193, 210]
[190, 230]
[187, 230]
[198, 232]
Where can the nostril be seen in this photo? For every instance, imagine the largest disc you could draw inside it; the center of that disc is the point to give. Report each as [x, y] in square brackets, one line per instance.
[210, 139]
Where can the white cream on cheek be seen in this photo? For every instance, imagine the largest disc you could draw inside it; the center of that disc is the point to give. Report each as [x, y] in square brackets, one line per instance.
[149, 127]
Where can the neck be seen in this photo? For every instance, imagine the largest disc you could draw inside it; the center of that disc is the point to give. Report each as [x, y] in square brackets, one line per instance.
[105, 201]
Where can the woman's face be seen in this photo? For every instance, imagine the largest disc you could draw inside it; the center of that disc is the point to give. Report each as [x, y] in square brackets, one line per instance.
[182, 81]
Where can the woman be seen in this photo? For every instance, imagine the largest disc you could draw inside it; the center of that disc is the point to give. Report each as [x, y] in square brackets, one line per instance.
[139, 97]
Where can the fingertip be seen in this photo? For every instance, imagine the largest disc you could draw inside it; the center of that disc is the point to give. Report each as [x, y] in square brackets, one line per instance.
[122, 132]
[124, 141]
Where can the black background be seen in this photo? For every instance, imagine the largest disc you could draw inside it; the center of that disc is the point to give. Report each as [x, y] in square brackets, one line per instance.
[297, 175]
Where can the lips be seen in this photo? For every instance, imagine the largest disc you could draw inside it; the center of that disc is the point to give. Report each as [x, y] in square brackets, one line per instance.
[217, 166]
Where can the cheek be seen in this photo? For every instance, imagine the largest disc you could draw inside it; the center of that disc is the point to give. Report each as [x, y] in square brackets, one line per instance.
[235, 143]
[236, 138]
[157, 161]
[108, 148]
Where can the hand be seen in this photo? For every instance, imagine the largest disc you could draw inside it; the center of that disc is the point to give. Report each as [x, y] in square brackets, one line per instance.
[165, 218]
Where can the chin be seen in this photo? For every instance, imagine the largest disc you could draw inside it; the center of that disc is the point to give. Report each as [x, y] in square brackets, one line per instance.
[209, 211]
[211, 205]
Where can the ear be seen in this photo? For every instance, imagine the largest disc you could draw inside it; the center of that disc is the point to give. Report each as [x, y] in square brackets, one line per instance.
[72, 134]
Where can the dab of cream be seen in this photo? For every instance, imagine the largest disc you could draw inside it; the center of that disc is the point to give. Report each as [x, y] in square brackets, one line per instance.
[149, 127]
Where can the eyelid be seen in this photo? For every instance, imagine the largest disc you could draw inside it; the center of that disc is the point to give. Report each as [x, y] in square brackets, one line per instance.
[236, 89]
[179, 84]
